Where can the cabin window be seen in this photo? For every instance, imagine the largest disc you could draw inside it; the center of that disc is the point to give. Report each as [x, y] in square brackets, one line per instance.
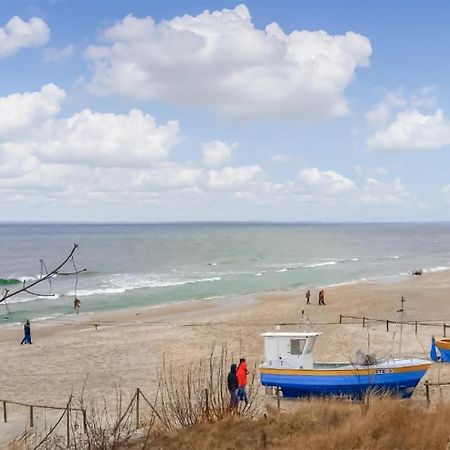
[310, 345]
[297, 346]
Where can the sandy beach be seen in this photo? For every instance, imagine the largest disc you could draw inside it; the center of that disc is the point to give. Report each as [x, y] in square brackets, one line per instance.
[100, 352]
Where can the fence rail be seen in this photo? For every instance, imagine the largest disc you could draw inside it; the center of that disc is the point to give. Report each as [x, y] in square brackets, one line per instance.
[388, 322]
[135, 403]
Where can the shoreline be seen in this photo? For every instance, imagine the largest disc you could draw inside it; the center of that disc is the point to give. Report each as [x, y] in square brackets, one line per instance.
[61, 318]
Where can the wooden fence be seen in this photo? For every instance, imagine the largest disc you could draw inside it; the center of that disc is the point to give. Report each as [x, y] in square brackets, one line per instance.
[429, 384]
[68, 409]
[365, 320]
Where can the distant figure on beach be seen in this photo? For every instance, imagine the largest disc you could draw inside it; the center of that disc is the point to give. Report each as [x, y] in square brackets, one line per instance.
[308, 295]
[321, 297]
[76, 305]
[233, 386]
[242, 373]
[26, 333]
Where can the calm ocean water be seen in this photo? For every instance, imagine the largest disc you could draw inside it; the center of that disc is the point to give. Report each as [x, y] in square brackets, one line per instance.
[144, 265]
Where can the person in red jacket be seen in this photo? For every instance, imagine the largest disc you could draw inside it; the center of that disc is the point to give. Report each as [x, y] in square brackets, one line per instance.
[242, 373]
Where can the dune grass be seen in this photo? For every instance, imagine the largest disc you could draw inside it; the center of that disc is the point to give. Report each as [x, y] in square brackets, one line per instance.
[320, 424]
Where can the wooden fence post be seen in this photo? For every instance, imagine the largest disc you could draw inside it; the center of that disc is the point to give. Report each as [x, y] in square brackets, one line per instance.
[340, 319]
[5, 418]
[387, 325]
[31, 417]
[68, 425]
[207, 403]
[84, 421]
[137, 408]
[445, 330]
[415, 326]
[364, 321]
[277, 391]
[427, 392]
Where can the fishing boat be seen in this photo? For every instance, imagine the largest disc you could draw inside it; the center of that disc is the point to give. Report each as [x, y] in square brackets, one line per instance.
[289, 365]
[443, 348]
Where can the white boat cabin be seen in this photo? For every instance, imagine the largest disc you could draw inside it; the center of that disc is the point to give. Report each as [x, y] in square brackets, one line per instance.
[289, 349]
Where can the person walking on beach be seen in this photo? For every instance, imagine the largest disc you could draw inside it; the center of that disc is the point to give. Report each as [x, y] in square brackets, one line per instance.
[321, 297]
[233, 386]
[242, 373]
[26, 333]
[308, 295]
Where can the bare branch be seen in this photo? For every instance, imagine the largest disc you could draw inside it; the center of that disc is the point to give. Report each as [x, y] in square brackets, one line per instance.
[7, 294]
[64, 274]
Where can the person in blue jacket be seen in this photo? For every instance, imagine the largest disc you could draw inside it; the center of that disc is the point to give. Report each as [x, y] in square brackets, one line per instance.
[26, 333]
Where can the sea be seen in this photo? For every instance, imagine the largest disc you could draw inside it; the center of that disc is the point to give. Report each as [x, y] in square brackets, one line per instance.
[144, 265]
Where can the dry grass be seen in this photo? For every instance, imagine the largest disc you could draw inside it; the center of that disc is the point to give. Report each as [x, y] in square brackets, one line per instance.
[199, 393]
[320, 424]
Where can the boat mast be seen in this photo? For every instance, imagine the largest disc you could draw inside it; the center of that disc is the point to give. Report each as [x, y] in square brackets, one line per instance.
[402, 312]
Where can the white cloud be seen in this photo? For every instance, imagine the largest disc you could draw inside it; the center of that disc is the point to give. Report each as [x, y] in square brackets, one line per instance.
[17, 34]
[108, 140]
[325, 182]
[58, 55]
[414, 123]
[90, 138]
[18, 111]
[221, 59]
[412, 130]
[381, 112]
[232, 176]
[377, 192]
[217, 152]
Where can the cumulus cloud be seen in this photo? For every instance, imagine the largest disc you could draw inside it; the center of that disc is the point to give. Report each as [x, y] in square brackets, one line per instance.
[18, 111]
[216, 152]
[87, 137]
[380, 114]
[232, 176]
[18, 34]
[326, 182]
[58, 55]
[412, 130]
[107, 139]
[415, 123]
[221, 59]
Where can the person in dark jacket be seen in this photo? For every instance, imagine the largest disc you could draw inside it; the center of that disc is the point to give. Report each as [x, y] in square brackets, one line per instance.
[26, 333]
[233, 386]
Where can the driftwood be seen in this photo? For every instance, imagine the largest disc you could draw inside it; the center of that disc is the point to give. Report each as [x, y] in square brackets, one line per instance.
[44, 277]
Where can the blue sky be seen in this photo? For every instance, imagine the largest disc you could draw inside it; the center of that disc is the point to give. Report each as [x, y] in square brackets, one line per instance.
[262, 110]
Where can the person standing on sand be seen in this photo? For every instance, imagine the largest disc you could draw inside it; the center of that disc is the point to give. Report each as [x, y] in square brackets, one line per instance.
[26, 333]
[308, 295]
[233, 386]
[242, 373]
[321, 297]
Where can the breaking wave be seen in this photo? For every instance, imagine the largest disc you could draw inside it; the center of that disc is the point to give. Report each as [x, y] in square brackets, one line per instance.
[121, 284]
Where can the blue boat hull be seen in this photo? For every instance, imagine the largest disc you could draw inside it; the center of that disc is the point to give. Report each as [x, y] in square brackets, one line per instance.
[445, 354]
[401, 384]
